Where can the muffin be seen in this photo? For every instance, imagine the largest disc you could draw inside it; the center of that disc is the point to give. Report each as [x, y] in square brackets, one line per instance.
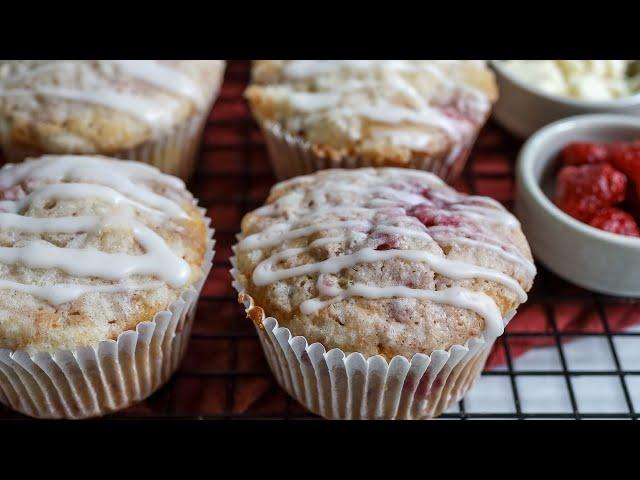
[422, 114]
[153, 111]
[101, 264]
[378, 293]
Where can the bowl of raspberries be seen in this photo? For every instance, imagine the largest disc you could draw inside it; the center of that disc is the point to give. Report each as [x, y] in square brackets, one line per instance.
[578, 198]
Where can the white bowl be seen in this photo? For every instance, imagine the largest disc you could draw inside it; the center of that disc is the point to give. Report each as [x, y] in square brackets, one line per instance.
[523, 109]
[591, 258]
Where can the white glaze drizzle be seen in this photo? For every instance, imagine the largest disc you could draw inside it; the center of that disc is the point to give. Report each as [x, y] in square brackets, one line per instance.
[265, 273]
[478, 302]
[313, 101]
[158, 261]
[38, 70]
[515, 258]
[413, 140]
[362, 74]
[156, 113]
[20, 223]
[381, 111]
[365, 173]
[386, 112]
[280, 233]
[495, 215]
[74, 191]
[300, 69]
[379, 206]
[59, 294]
[162, 76]
[304, 69]
[107, 183]
[17, 172]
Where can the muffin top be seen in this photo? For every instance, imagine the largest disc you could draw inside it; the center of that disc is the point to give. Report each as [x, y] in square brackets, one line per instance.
[90, 247]
[384, 110]
[382, 261]
[99, 106]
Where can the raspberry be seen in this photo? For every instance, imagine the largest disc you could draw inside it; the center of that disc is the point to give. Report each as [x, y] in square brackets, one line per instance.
[625, 156]
[385, 241]
[582, 191]
[429, 216]
[617, 221]
[580, 153]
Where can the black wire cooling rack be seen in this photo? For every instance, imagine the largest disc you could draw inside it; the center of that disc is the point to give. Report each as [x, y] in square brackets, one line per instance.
[225, 376]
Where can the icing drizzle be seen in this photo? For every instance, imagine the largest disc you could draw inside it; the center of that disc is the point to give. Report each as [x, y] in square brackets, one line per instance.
[155, 112]
[391, 94]
[122, 187]
[361, 210]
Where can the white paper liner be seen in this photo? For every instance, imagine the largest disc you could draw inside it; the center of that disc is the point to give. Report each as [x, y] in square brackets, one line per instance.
[175, 152]
[292, 156]
[350, 386]
[110, 375]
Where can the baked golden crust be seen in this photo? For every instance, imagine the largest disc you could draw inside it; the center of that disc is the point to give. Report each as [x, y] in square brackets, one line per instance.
[47, 106]
[389, 113]
[30, 321]
[404, 228]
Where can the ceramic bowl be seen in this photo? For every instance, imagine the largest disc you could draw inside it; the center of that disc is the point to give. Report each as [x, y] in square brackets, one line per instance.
[523, 109]
[591, 258]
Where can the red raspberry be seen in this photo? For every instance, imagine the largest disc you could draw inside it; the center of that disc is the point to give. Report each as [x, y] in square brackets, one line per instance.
[386, 241]
[429, 216]
[625, 156]
[585, 190]
[617, 221]
[580, 153]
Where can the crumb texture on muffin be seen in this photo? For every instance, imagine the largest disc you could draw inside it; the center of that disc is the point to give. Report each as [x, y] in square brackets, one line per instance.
[388, 111]
[383, 261]
[90, 247]
[99, 106]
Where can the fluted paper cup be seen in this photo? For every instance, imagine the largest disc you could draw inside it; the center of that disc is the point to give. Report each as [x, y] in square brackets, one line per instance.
[108, 376]
[174, 152]
[292, 156]
[350, 386]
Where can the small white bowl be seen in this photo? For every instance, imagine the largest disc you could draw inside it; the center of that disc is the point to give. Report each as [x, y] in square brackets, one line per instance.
[523, 109]
[588, 257]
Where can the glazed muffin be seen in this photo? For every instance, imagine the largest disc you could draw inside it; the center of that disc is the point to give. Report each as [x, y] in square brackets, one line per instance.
[408, 278]
[422, 114]
[101, 263]
[153, 111]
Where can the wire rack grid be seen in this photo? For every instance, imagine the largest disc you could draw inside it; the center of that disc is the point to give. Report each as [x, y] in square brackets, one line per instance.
[225, 376]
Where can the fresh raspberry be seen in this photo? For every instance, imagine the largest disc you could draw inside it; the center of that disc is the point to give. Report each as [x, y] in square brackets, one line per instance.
[617, 221]
[580, 153]
[582, 191]
[625, 156]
